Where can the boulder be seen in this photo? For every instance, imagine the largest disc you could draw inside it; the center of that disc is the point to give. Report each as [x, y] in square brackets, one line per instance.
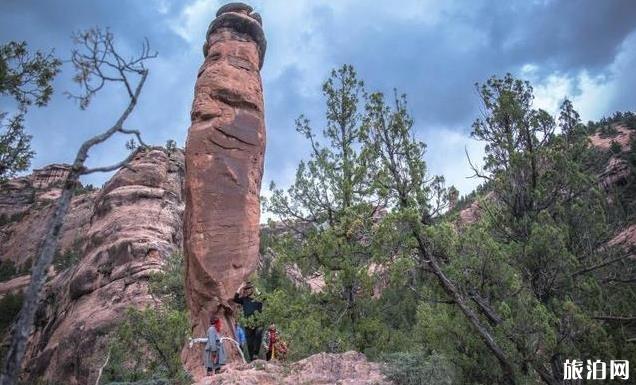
[350, 368]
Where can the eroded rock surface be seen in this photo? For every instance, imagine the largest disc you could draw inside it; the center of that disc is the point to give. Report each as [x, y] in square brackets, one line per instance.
[350, 368]
[224, 167]
[622, 137]
[119, 235]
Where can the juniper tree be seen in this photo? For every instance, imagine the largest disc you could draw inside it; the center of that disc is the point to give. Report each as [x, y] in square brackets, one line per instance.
[416, 201]
[27, 79]
[329, 207]
[548, 222]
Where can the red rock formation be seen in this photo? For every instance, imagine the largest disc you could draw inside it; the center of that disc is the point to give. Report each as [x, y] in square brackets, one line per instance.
[121, 233]
[625, 239]
[14, 285]
[224, 167]
[51, 174]
[622, 137]
[616, 173]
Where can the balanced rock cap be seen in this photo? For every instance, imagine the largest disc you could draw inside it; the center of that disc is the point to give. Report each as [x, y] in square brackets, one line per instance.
[241, 18]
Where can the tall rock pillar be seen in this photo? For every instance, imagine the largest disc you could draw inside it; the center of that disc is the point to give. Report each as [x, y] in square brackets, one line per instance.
[224, 167]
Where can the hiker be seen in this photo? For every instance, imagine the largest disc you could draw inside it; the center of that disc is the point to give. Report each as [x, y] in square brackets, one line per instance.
[240, 338]
[214, 353]
[244, 297]
[274, 345]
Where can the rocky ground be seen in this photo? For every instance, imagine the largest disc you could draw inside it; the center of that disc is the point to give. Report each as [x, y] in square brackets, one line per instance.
[351, 368]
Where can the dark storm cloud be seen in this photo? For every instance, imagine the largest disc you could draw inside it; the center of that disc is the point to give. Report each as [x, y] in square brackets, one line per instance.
[60, 128]
[438, 63]
[433, 51]
[569, 35]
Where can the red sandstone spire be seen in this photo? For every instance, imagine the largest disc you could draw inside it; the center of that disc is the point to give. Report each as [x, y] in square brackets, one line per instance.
[224, 167]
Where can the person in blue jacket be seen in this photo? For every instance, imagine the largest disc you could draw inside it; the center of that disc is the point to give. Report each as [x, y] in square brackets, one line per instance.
[240, 338]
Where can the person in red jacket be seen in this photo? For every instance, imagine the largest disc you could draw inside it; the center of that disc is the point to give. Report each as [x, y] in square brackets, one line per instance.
[269, 342]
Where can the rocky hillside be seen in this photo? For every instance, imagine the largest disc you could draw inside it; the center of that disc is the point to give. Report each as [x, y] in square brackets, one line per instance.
[112, 239]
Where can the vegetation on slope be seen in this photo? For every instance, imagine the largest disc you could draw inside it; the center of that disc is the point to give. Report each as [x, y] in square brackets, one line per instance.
[147, 344]
[535, 274]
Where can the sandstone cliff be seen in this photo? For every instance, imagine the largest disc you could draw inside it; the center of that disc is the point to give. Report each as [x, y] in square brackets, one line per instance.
[111, 241]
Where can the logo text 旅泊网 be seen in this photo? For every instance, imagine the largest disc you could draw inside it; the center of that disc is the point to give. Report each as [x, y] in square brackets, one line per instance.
[595, 370]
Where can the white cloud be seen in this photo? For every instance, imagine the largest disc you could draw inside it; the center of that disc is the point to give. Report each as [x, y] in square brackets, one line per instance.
[193, 20]
[162, 6]
[549, 92]
[593, 96]
[446, 156]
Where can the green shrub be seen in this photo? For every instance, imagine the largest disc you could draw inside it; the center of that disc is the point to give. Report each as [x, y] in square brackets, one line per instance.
[6, 219]
[10, 306]
[8, 271]
[84, 189]
[608, 131]
[70, 257]
[147, 346]
[171, 145]
[145, 349]
[169, 284]
[615, 147]
[418, 368]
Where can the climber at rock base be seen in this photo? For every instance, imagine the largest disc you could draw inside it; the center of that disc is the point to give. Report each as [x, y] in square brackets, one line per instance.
[244, 296]
[268, 341]
[239, 332]
[275, 347]
[214, 353]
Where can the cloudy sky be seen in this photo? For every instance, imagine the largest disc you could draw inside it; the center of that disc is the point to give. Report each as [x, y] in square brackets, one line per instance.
[432, 50]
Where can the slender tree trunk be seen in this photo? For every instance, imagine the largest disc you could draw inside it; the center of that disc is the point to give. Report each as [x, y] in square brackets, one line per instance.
[506, 366]
[24, 324]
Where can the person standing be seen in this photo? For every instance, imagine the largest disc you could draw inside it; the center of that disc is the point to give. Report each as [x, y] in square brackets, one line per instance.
[270, 342]
[214, 353]
[244, 296]
[240, 338]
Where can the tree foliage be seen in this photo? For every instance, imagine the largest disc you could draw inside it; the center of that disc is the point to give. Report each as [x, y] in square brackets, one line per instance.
[147, 344]
[330, 205]
[532, 283]
[27, 79]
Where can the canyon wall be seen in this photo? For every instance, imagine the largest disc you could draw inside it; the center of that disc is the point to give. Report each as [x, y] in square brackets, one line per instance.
[112, 240]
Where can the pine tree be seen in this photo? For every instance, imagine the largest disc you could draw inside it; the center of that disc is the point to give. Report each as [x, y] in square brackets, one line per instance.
[330, 206]
[27, 79]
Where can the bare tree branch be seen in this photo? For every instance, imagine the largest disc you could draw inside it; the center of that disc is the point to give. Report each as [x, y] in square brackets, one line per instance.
[136, 133]
[601, 265]
[113, 167]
